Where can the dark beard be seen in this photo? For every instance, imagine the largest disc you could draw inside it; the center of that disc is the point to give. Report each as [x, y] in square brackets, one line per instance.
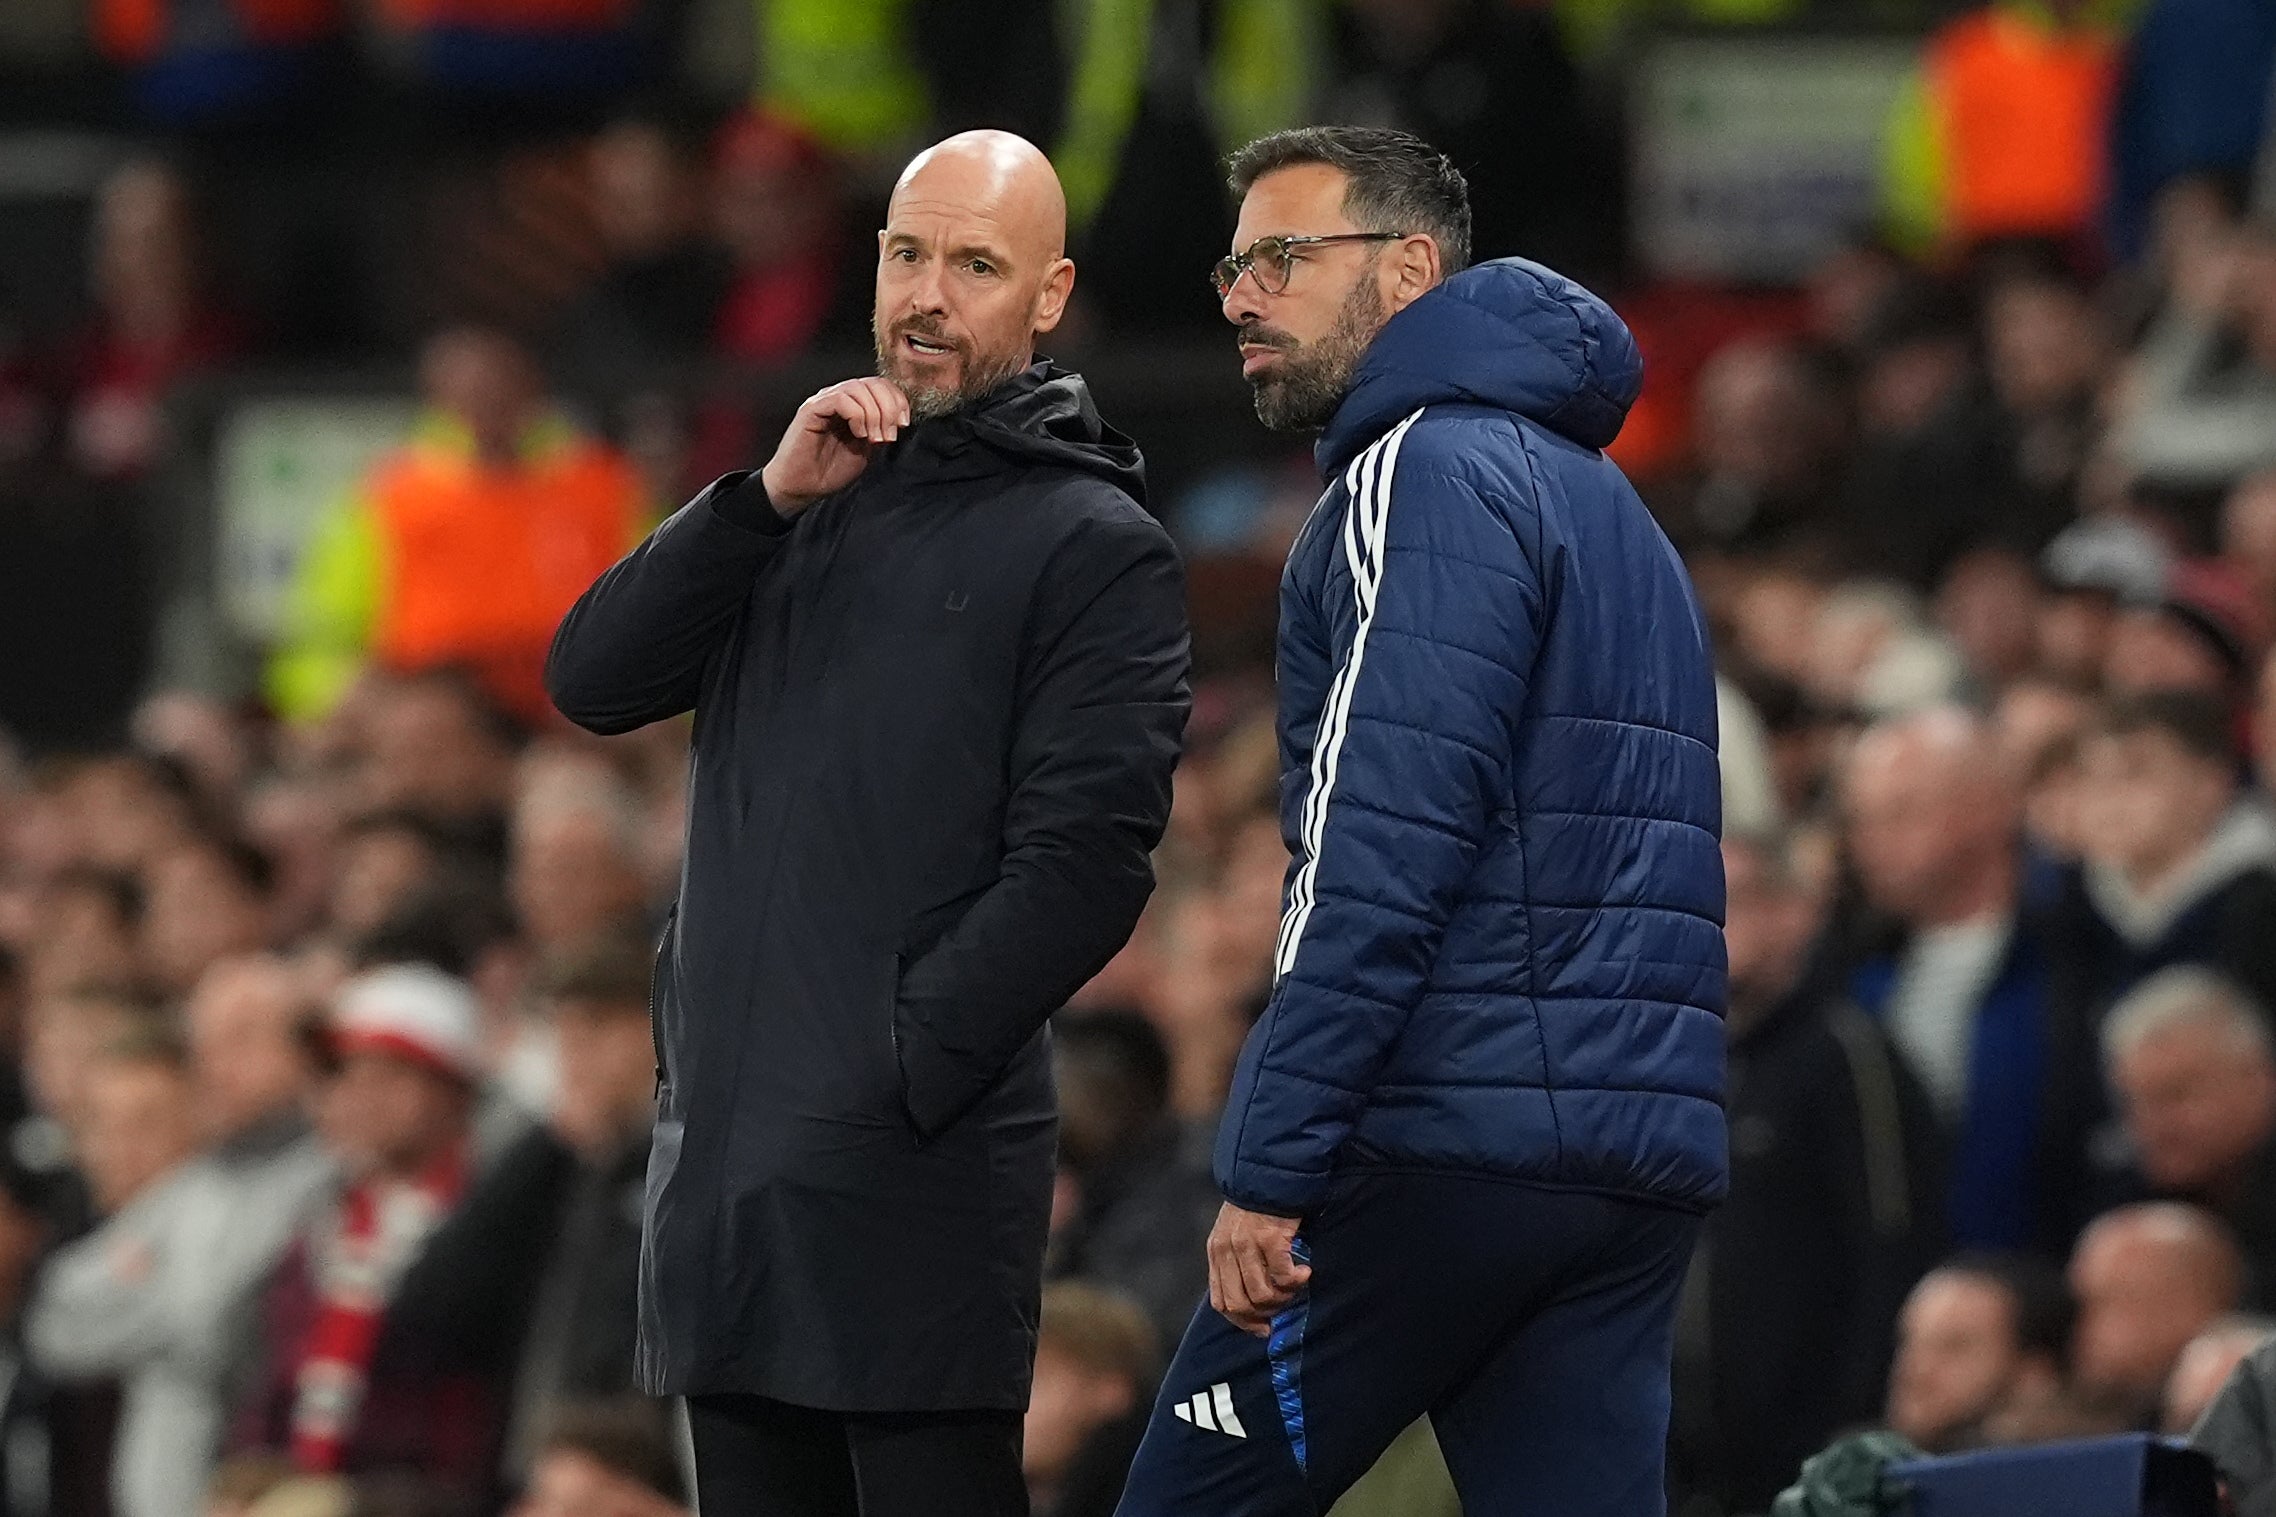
[1302, 392]
[980, 373]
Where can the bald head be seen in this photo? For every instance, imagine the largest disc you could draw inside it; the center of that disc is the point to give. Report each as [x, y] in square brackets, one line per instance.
[1929, 809]
[971, 267]
[2148, 1279]
[1001, 172]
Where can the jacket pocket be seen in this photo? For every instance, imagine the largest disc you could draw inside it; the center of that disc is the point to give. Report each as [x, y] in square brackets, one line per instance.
[896, 1049]
[656, 996]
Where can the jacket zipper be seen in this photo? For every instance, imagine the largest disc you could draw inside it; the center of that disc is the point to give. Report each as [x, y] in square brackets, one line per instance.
[655, 994]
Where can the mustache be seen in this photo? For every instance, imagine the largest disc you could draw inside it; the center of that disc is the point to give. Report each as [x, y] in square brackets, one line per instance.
[930, 331]
[1258, 335]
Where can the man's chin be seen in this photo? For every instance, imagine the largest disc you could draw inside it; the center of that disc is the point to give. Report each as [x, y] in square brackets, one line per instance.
[1284, 409]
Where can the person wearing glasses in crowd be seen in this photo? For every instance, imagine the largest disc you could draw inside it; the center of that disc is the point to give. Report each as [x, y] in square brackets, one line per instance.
[1471, 1138]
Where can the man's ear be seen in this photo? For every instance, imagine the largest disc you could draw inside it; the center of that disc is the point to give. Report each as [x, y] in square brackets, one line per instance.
[1414, 270]
[1051, 300]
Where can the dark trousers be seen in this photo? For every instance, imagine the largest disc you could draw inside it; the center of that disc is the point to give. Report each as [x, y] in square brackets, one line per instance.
[1534, 1326]
[761, 1458]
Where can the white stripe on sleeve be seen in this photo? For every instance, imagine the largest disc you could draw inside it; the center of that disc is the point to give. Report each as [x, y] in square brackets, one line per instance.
[1366, 526]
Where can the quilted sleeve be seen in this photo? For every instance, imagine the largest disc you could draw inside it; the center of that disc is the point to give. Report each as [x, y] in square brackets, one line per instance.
[1433, 642]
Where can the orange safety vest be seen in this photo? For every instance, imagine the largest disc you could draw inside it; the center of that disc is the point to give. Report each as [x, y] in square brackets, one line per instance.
[2022, 110]
[543, 16]
[134, 32]
[479, 564]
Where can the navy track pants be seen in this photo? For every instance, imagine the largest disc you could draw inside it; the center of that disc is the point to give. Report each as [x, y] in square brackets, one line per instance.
[1533, 1325]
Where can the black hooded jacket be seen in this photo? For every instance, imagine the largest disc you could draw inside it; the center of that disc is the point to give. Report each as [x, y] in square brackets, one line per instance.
[935, 720]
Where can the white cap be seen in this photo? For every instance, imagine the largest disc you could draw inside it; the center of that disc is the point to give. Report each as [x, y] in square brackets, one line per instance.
[414, 1011]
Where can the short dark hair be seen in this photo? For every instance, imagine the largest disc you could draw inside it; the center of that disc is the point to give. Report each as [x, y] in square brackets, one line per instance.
[1397, 181]
[448, 923]
[2201, 724]
[626, 1436]
[2045, 1311]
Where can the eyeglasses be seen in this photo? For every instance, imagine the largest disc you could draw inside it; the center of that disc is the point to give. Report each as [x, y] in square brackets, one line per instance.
[1272, 259]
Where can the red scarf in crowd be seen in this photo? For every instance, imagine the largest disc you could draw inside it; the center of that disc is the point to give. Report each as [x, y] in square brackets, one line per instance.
[370, 1240]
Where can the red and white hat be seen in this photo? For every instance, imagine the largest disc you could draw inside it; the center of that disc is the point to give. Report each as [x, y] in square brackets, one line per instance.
[415, 1012]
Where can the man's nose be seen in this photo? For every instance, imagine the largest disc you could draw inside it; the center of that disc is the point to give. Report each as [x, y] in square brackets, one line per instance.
[1243, 302]
[929, 295]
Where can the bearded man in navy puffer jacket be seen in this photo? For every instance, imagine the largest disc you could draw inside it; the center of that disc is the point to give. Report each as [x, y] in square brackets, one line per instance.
[1471, 1137]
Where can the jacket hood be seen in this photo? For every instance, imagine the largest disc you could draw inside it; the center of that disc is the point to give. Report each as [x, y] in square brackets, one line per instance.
[1508, 334]
[1044, 414]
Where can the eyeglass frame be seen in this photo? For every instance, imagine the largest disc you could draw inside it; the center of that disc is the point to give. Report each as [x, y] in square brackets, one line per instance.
[1244, 262]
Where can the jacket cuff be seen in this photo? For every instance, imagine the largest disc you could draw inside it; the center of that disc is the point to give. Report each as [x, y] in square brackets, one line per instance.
[740, 499]
[1270, 1190]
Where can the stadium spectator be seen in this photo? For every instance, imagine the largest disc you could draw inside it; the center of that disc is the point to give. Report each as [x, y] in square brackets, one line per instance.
[2192, 1064]
[1144, 1200]
[2003, 131]
[202, 902]
[606, 1459]
[1096, 1362]
[2036, 724]
[66, 1031]
[2180, 862]
[2089, 570]
[1768, 433]
[437, 746]
[2206, 634]
[2148, 1278]
[160, 1295]
[1980, 1338]
[2201, 401]
[155, 323]
[84, 932]
[1922, 481]
[774, 207]
[385, 860]
[2047, 353]
[124, 809]
[1933, 827]
[575, 853]
[466, 546]
[1987, 604]
[139, 1122]
[339, 1386]
[2205, 1367]
[535, 1277]
[1836, 1206]
[657, 300]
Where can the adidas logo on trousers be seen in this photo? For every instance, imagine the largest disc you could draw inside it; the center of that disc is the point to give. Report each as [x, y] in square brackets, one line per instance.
[1212, 1409]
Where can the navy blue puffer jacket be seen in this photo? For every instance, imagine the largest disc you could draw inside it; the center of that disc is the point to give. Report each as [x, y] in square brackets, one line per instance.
[1502, 952]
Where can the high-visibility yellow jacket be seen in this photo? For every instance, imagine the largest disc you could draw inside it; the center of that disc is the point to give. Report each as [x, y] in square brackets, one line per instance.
[441, 560]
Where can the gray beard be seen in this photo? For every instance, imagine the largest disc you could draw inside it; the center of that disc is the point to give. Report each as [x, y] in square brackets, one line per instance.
[982, 373]
[1302, 394]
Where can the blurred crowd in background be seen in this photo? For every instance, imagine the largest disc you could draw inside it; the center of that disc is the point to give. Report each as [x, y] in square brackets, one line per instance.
[325, 1068]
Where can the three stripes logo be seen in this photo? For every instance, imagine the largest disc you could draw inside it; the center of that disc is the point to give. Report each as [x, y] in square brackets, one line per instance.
[1212, 1409]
